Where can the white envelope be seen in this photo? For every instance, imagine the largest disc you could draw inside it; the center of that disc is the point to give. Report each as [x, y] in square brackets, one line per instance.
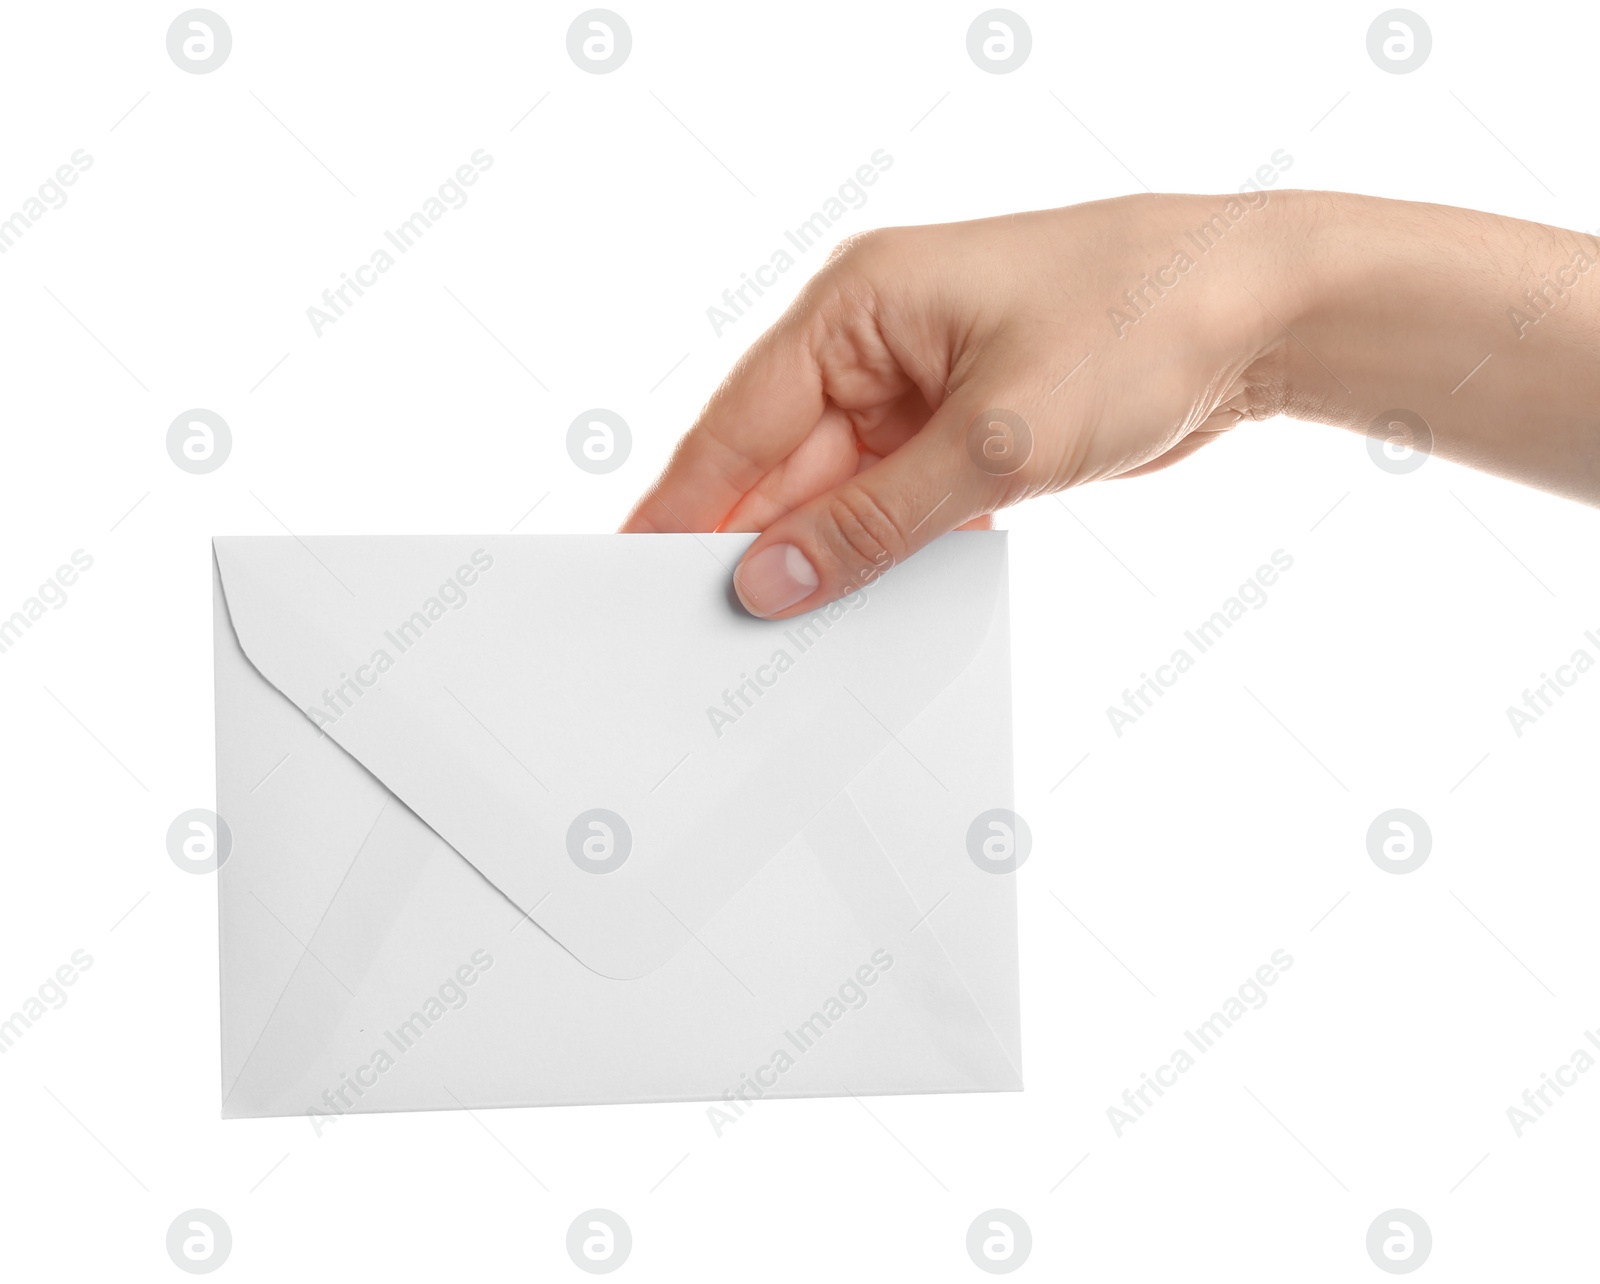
[421, 908]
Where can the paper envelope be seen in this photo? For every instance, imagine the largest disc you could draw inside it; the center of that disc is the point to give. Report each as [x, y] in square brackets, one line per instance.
[537, 820]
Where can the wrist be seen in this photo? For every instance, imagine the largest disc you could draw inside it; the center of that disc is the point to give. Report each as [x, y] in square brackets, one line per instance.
[1273, 293]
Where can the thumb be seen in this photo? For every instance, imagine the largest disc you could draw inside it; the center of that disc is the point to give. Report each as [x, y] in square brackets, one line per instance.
[957, 467]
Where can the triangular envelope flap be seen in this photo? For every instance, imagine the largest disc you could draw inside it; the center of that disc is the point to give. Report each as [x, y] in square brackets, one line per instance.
[548, 703]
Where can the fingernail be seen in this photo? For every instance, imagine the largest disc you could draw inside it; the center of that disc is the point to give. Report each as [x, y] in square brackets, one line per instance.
[774, 579]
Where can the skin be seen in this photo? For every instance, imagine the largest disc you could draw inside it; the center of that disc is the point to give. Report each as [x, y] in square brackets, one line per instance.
[861, 426]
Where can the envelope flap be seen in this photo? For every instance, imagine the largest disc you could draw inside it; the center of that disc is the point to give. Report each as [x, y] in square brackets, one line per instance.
[592, 721]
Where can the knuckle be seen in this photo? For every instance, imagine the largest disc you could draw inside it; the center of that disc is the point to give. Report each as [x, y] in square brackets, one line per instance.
[863, 536]
[850, 286]
[854, 247]
[863, 252]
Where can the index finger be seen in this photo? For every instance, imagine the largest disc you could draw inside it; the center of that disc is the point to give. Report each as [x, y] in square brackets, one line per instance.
[765, 407]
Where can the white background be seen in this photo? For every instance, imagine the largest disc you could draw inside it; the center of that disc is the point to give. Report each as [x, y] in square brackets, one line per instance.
[1228, 823]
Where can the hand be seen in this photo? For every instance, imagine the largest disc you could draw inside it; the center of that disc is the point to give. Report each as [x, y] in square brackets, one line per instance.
[927, 377]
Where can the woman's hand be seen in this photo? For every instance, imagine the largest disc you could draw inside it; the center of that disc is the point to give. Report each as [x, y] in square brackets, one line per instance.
[928, 376]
